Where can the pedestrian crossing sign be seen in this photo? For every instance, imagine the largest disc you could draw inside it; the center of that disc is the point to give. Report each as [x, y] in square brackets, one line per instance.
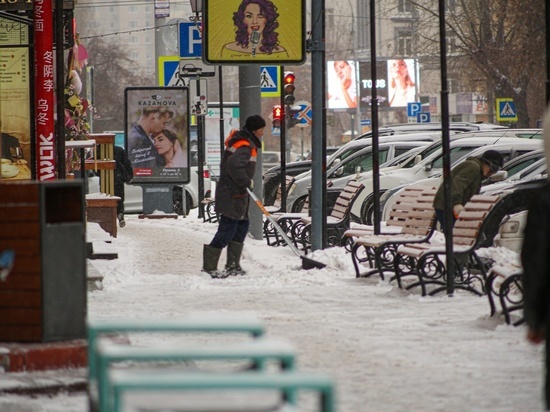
[269, 81]
[506, 110]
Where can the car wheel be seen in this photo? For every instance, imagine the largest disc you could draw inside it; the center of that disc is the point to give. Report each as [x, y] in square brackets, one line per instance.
[367, 210]
[298, 205]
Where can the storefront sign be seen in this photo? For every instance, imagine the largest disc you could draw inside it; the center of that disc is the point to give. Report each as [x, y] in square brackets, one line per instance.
[44, 86]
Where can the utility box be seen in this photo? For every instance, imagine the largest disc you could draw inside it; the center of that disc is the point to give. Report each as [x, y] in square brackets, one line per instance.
[44, 297]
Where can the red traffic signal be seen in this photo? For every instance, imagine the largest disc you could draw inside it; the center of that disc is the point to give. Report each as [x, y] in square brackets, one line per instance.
[289, 78]
[277, 112]
[289, 88]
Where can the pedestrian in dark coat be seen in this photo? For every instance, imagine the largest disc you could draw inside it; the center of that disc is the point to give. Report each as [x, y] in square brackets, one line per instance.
[123, 174]
[238, 165]
[535, 259]
[466, 179]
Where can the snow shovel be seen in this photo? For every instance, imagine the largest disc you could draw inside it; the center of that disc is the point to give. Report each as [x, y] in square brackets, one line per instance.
[307, 263]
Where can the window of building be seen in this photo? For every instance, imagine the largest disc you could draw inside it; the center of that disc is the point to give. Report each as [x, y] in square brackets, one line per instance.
[363, 26]
[452, 45]
[404, 6]
[404, 43]
[132, 23]
[134, 40]
[329, 18]
[133, 9]
[134, 55]
[450, 6]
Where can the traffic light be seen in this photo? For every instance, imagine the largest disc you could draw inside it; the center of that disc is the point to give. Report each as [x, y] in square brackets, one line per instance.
[289, 88]
[277, 115]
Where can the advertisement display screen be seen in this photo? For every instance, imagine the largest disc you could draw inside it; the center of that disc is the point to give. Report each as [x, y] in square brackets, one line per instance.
[157, 134]
[367, 83]
[341, 85]
[396, 83]
[401, 82]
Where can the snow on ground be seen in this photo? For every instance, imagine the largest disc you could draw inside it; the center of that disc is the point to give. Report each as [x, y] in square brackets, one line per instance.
[387, 349]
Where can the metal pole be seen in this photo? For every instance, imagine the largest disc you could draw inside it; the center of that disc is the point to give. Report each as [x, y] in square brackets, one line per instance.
[282, 143]
[448, 229]
[547, 13]
[250, 103]
[374, 108]
[222, 131]
[200, 154]
[318, 130]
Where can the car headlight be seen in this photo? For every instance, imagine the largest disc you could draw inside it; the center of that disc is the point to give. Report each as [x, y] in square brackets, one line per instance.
[292, 189]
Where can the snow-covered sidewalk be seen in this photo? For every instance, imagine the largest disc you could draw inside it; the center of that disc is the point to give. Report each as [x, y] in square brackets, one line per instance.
[388, 350]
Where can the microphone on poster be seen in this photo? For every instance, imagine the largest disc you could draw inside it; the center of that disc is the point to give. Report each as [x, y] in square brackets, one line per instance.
[254, 39]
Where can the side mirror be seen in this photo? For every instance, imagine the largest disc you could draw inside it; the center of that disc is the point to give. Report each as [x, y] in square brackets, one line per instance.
[417, 159]
[339, 172]
[499, 176]
[428, 167]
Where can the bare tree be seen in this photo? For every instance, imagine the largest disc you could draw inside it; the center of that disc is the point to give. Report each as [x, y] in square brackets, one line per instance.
[114, 70]
[500, 41]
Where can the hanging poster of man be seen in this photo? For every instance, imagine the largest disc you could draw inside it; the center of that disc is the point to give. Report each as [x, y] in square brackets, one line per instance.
[157, 134]
[254, 31]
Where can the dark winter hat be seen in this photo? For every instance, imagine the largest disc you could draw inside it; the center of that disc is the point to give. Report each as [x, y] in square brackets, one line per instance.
[494, 159]
[254, 123]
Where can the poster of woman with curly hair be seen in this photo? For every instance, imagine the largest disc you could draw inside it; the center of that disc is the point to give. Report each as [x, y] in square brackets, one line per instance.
[254, 31]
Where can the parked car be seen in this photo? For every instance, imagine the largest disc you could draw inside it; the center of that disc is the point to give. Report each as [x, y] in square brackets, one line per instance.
[430, 165]
[272, 177]
[342, 172]
[405, 128]
[133, 194]
[520, 160]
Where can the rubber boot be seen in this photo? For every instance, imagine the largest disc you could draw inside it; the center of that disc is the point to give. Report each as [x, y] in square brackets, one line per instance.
[233, 265]
[210, 258]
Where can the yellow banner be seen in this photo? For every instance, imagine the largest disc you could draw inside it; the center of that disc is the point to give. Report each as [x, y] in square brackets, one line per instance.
[254, 31]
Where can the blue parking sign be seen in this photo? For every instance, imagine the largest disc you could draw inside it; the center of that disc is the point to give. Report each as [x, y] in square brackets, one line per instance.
[189, 39]
[413, 108]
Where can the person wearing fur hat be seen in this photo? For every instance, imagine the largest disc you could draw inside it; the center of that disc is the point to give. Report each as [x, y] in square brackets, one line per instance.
[466, 179]
[238, 165]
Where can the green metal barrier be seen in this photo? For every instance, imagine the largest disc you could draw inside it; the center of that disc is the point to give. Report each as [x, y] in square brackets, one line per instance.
[260, 351]
[192, 323]
[288, 383]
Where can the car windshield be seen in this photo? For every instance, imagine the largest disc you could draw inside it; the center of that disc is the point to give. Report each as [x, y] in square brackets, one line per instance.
[423, 154]
[364, 161]
[518, 166]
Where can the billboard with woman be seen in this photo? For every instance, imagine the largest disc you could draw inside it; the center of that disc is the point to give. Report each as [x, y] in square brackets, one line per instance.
[254, 31]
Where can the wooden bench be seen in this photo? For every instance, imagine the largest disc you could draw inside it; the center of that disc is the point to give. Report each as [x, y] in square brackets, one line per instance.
[426, 261]
[260, 351]
[213, 386]
[413, 214]
[276, 207]
[226, 323]
[337, 222]
[285, 221]
[505, 282]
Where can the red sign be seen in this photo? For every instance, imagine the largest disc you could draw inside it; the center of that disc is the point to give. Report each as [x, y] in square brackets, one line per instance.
[44, 86]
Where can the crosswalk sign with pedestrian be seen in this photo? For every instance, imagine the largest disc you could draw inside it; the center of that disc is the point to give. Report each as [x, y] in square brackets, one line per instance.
[269, 81]
[506, 110]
